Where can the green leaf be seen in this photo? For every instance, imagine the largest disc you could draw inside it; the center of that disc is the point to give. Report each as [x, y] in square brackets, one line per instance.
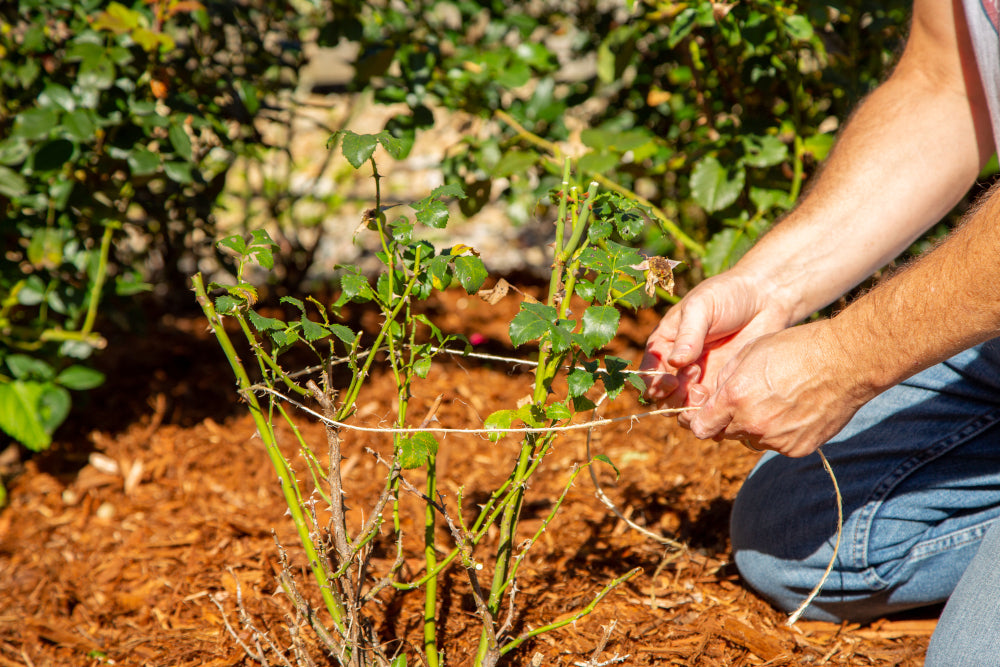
[12, 184]
[80, 125]
[724, 249]
[440, 271]
[143, 161]
[422, 366]
[284, 338]
[393, 146]
[227, 305]
[180, 140]
[416, 449]
[358, 148]
[515, 162]
[355, 287]
[614, 378]
[297, 303]
[599, 230]
[682, 26]
[604, 459]
[534, 321]
[178, 172]
[818, 146]
[558, 411]
[262, 248]
[766, 199]
[561, 335]
[96, 74]
[599, 161]
[55, 95]
[312, 331]
[13, 150]
[579, 381]
[261, 323]
[18, 414]
[234, 243]
[35, 123]
[398, 661]
[712, 186]
[31, 411]
[343, 333]
[448, 190]
[501, 419]
[80, 378]
[433, 214]
[799, 28]
[471, 273]
[24, 367]
[599, 326]
[764, 151]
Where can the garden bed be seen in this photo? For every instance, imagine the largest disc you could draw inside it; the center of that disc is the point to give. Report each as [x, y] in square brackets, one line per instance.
[158, 503]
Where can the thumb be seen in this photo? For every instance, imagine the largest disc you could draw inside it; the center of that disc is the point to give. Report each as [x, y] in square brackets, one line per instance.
[691, 334]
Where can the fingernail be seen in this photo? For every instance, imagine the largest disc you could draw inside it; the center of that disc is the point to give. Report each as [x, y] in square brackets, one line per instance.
[691, 373]
[697, 395]
[680, 353]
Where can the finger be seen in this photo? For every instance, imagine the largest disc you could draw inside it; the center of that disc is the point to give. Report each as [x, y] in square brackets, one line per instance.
[691, 334]
[697, 394]
[712, 419]
[658, 376]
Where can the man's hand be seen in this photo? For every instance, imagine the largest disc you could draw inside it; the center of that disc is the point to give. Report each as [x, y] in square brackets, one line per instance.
[696, 338]
[789, 391]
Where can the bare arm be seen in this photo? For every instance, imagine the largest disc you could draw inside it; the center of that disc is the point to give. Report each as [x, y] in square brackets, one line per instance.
[908, 154]
[793, 390]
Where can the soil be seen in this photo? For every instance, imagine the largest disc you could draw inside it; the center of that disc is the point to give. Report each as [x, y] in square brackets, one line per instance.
[138, 536]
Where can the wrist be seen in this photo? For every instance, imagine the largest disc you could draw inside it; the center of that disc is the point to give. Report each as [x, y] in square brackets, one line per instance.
[777, 300]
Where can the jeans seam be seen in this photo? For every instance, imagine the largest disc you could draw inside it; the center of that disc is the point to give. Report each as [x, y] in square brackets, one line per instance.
[866, 514]
[951, 540]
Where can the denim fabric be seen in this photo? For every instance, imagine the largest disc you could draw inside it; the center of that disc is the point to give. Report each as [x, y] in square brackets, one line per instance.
[968, 634]
[919, 471]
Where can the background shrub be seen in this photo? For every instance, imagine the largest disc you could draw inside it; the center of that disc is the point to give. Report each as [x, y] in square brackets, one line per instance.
[120, 121]
[118, 124]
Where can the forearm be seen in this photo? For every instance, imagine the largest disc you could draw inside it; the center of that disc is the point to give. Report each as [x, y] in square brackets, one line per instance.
[943, 303]
[903, 161]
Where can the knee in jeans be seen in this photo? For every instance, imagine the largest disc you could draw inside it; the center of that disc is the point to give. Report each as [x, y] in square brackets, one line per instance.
[778, 549]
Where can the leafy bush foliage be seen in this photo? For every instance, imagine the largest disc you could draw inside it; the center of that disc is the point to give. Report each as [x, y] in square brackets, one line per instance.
[715, 112]
[118, 123]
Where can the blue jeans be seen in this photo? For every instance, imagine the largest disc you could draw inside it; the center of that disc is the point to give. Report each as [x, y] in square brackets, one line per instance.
[919, 472]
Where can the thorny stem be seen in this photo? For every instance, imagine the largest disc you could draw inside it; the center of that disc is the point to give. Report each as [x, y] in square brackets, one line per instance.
[289, 486]
[513, 644]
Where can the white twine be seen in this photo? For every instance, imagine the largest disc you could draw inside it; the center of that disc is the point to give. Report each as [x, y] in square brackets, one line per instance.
[471, 431]
[836, 547]
[793, 617]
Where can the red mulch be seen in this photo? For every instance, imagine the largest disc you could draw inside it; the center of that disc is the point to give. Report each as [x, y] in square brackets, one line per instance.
[159, 497]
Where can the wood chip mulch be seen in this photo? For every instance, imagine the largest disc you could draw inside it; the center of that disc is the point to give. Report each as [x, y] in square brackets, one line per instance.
[159, 507]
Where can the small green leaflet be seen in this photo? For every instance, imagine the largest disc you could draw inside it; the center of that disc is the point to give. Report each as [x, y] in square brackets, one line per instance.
[600, 324]
[500, 420]
[579, 381]
[416, 449]
[531, 323]
[471, 272]
[605, 459]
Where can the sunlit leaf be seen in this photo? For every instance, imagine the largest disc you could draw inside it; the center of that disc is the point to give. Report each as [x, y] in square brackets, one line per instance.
[713, 187]
[416, 449]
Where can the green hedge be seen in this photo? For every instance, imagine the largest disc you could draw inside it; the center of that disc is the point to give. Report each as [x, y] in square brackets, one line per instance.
[118, 123]
[715, 112]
